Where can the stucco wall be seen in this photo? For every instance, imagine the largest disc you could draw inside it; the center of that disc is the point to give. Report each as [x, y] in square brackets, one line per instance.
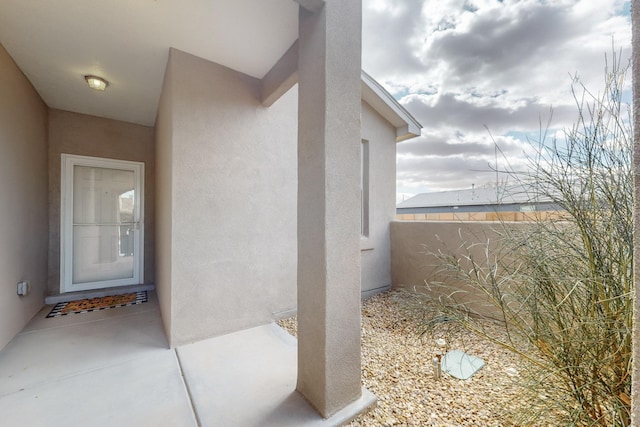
[376, 256]
[226, 201]
[74, 133]
[231, 235]
[23, 188]
[412, 264]
[164, 198]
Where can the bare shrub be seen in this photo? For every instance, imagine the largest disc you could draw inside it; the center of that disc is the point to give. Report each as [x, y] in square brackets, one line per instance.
[563, 286]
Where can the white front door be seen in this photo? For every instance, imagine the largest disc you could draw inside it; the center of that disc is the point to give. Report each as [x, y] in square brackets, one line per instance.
[101, 223]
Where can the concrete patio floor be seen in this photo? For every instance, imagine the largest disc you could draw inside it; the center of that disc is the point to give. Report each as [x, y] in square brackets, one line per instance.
[114, 368]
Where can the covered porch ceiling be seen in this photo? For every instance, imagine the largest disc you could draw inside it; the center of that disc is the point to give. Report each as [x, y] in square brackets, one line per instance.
[127, 42]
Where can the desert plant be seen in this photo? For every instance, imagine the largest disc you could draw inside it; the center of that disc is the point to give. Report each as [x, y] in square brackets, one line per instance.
[563, 285]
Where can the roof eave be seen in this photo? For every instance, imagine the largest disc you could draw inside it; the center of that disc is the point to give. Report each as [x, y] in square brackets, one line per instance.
[387, 106]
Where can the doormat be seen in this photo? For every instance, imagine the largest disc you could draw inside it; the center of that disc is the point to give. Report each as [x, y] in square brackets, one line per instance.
[97, 304]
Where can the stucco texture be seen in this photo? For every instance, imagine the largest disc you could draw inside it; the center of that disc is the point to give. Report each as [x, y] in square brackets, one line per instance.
[227, 188]
[164, 201]
[226, 201]
[413, 244]
[329, 143]
[376, 247]
[23, 187]
[73, 133]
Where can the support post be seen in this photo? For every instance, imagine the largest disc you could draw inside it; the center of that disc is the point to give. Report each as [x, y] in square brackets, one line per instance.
[329, 205]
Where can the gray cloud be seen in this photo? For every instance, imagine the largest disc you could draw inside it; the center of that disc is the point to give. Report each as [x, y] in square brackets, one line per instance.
[447, 161]
[443, 173]
[509, 38]
[444, 144]
[390, 37]
[449, 111]
[461, 65]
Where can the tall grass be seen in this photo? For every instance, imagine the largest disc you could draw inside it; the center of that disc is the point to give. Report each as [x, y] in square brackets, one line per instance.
[563, 285]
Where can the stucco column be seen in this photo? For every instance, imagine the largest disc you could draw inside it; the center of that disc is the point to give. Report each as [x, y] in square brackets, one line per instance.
[635, 380]
[329, 205]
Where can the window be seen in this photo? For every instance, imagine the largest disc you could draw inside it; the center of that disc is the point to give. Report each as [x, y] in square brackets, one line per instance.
[364, 188]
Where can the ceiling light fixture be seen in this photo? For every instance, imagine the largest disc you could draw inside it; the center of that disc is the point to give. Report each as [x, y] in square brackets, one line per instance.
[97, 83]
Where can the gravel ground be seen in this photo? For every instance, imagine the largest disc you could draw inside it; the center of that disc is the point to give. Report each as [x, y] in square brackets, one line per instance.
[396, 366]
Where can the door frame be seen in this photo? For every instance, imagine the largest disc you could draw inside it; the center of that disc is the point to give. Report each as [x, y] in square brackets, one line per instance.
[68, 162]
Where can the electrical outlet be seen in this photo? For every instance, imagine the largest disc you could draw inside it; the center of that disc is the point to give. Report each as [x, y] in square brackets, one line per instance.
[23, 288]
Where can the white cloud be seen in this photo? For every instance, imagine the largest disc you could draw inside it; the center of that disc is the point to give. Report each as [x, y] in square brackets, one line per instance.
[440, 160]
[474, 112]
[461, 66]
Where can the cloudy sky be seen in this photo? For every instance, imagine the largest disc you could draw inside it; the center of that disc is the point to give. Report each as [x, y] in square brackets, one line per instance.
[477, 71]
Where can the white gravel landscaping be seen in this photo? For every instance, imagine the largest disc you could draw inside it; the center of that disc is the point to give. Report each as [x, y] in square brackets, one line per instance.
[397, 367]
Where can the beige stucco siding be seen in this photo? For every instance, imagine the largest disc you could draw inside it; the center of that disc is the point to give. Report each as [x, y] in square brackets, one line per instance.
[74, 133]
[414, 243]
[376, 258]
[231, 236]
[226, 201]
[23, 193]
[164, 198]
[227, 194]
